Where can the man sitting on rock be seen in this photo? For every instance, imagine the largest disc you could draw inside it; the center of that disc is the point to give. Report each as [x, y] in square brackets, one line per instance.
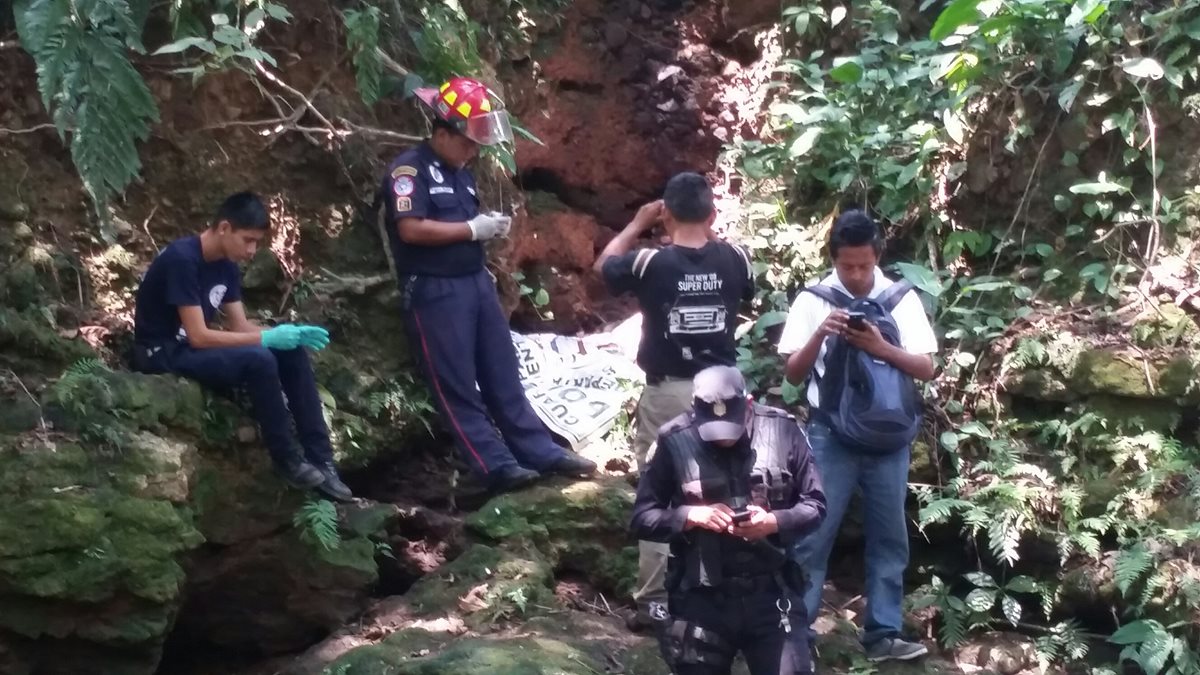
[185, 286]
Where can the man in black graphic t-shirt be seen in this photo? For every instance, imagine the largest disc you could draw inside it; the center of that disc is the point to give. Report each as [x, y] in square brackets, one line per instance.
[689, 293]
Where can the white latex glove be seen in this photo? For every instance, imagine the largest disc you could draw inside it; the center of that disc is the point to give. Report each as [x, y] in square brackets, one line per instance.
[487, 226]
[506, 223]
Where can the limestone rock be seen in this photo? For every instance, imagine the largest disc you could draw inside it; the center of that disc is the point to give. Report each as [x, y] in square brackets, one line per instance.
[997, 652]
[84, 559]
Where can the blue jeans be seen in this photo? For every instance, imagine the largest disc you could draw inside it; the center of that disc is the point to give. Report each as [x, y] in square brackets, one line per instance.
[883, 480]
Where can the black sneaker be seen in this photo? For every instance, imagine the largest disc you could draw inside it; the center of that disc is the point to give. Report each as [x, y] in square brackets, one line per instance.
[300, 474]
[333, 487]
[510, 478]
[894, 649]
[571, 464]
[637, 620]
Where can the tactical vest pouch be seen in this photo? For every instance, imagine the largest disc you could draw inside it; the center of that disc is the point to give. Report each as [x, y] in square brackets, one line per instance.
[701, 646]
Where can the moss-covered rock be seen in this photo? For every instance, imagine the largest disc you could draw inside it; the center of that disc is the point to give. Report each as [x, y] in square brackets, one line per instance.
[416, 652]
[107, 399]
[485, 584]
[83, 560]
[29, 335]
[1105, 372]
[580, 526]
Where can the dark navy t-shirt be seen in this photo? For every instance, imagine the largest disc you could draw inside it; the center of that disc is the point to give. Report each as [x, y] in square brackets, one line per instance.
[419, 185]
[689, 299]
[179, 277]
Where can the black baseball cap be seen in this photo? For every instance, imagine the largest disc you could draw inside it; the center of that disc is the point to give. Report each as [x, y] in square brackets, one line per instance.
[719, 403]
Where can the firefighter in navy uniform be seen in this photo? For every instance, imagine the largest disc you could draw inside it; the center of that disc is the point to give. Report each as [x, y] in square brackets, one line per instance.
[730, 488]
[452, 315]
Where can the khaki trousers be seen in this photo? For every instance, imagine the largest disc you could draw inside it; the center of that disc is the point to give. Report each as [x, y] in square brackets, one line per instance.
[660, 403]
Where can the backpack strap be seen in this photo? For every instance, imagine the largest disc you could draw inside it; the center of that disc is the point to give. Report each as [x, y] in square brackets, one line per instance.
[892, 295]
[642, 260]
[829, 294]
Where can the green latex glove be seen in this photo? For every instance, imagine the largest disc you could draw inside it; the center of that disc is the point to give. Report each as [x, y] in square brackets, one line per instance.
[284, 337]
[313, 337]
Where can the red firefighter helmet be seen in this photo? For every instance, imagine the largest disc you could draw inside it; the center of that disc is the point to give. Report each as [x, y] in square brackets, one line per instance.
[467, 104]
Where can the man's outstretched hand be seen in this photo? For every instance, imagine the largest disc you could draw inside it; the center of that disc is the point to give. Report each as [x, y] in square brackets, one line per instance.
[313, 337]
[290, 336]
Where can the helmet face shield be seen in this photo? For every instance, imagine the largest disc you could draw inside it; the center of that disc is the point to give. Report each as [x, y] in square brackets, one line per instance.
[489, 128]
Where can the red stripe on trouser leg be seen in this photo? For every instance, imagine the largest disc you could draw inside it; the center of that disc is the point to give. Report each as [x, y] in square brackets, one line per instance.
[437, 387]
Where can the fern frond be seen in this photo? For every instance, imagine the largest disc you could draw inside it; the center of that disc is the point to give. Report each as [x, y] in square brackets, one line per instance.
[317, 521]
[1131, 565]
[362, 39]
[89, 85]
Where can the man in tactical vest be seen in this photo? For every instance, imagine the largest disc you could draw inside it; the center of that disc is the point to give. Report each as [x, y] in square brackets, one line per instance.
[730, 488]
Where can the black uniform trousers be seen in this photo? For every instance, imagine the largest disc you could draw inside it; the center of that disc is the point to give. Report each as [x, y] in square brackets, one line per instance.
[747, 621]
[462, 342]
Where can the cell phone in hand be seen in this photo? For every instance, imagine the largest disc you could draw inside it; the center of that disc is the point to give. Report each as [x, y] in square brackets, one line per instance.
[857, 320]
[742, 516]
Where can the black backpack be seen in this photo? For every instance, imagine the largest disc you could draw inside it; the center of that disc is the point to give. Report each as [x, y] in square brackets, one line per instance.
[869, 404]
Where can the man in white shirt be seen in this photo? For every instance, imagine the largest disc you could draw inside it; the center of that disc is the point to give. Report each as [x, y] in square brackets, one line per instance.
[855, 245]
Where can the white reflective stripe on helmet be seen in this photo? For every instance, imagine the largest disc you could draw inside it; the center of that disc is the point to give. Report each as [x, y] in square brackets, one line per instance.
[489, 129]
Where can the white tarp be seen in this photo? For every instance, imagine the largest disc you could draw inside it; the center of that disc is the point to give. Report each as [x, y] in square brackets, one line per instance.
[578, 386]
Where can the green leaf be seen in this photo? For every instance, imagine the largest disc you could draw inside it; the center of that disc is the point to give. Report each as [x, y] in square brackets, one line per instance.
[846, 69]
[253, 18]
[981, 579]
[277, 12]
[908, 173]
[921, 277]
[804, 142]
[1143, 67]
[1066, 97]
[1086, 11]
[772, 318]
[1022, 584]
[541, 298]
[1011, 609]
[1061, 203]
[256, 54]
[229, 35]
[948, 440]
[1136, 632]
[958, 13]
[836, 15]
[1097, 188]
[981, 599]
[186, 43]
[975, 428]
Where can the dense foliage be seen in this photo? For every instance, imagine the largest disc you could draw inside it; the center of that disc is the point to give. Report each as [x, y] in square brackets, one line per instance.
[903, 125]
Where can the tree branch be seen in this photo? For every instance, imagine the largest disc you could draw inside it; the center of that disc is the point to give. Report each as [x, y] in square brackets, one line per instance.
[30, 130]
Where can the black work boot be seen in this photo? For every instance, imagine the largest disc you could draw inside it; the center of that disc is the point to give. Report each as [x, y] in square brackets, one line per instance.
[510, 478]
[571, 464]
[333, 487]
[299, 473]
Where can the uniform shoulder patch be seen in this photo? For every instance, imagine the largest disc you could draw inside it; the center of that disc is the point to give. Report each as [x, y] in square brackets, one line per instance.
[403, 204]
[678, 424]
[404, 170]
[403, 186]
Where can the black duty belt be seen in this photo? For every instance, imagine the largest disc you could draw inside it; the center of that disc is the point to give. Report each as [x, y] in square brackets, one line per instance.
[759, 583]
[655, 380]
